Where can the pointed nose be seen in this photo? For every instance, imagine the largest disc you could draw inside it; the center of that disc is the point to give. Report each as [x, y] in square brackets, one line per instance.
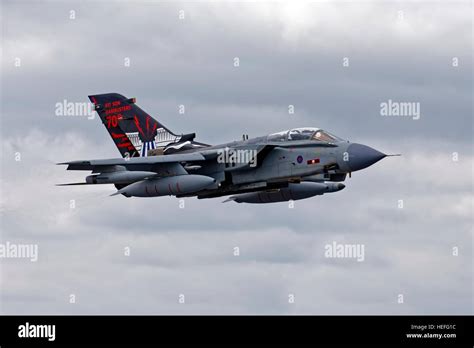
[362, 156]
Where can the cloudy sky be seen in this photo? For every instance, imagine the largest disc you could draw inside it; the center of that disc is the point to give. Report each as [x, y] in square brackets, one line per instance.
[289, 54]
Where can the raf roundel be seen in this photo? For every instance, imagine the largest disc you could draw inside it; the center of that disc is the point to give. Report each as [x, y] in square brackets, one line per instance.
[299, 159]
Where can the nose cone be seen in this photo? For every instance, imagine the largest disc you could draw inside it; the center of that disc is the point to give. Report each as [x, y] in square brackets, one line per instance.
[340, 186]
[362, 156]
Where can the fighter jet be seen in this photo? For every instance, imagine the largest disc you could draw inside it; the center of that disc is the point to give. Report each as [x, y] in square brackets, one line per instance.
[290, 165]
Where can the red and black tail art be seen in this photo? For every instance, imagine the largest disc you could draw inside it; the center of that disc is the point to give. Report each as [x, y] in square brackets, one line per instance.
[132, 129]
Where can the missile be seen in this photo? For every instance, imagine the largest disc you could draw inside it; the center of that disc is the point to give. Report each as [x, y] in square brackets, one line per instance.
[292, 192]
[119, 177]
[168, 186]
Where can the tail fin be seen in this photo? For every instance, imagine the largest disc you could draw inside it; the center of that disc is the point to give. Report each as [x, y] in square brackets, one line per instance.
[133, 131]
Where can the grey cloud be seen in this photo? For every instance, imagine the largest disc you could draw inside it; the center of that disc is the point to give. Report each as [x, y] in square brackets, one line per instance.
[190, 62]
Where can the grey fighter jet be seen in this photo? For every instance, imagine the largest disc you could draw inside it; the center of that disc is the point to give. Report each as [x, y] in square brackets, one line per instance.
[294, 164]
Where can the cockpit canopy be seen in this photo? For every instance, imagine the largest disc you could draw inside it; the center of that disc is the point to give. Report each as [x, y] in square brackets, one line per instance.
[307, 133]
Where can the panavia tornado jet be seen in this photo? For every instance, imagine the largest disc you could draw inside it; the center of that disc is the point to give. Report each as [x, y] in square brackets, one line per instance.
[290, 165]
